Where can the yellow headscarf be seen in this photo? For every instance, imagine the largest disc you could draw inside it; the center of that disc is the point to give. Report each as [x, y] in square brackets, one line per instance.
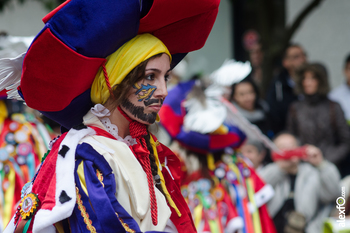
[123, 61]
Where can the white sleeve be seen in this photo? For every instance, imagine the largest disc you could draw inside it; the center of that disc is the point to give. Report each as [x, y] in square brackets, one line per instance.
[170, 227]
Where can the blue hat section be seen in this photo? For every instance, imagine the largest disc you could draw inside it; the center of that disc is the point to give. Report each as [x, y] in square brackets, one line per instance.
[96, 28]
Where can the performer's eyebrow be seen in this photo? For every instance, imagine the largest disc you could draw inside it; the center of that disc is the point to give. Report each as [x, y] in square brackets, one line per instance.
[153, 69]
[156, 70]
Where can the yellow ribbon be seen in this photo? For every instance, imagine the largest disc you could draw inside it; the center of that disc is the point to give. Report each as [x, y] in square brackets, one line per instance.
[211, 162]
[9, 194]
[197, 215]
[120, 63]
[256, 217]
[3, 113]
[162, 181]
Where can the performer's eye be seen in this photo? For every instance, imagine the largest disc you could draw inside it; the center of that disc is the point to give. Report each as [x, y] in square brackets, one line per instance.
[149, 77]
[167, 77]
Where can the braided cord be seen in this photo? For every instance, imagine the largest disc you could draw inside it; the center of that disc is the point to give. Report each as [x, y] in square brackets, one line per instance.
[146, 165]
[107, 80]
[137, 131]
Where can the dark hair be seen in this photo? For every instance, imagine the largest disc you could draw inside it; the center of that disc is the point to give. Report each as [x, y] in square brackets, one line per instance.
[120, 93]
[347, 61]
[320, 73]
[255, 88]
[292, 45]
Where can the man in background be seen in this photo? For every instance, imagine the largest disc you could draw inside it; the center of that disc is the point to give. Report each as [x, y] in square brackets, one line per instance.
[341, 94]
[305, 191]
[281, 93]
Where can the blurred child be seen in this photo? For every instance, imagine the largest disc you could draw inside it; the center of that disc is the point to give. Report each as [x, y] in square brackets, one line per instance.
[255, 151]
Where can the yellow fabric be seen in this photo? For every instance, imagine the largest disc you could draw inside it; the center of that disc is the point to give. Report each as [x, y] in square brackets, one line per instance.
[165, 190]
[125, 59]
[59, 227]
[256, 216]
[9, 194]
[3, 113]
[221, 130]
[213, 225]
[197, 215]
[81, 175]
[211, 162]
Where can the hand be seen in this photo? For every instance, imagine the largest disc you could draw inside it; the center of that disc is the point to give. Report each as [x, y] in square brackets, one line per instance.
[314, 155]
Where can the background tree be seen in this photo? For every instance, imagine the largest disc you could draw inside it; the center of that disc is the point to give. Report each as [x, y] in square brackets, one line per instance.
[268, 18]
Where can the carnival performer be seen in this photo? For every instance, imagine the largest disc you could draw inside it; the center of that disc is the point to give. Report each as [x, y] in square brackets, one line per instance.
[224, 194]
[23, 142]
[107, 173]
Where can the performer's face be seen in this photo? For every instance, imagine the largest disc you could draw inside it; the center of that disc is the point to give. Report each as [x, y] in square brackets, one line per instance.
[147, 95]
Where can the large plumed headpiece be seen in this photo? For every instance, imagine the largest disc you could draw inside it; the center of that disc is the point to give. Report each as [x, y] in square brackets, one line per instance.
[62, 62]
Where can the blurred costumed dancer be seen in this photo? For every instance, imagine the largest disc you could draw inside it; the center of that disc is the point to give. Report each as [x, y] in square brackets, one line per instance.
[224, 194]
[23, 143]
[104, 78]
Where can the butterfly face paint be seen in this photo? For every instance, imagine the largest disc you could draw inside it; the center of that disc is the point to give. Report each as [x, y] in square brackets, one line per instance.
[144, 93]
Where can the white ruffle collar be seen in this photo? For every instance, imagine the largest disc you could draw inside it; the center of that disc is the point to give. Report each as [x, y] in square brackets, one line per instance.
[102, 113]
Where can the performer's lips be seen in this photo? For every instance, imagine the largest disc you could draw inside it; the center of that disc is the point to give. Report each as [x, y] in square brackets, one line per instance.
[155, 107]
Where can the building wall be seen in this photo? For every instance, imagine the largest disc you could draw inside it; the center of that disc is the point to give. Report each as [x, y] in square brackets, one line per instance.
[25, 20]
[219, 45]
[325, 34]
[22, 19]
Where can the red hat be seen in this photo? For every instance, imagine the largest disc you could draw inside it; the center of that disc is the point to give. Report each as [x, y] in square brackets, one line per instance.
[65, 56]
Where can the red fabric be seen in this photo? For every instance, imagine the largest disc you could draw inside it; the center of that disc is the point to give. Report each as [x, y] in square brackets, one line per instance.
[267, 225]
[76, 73]
[299, 152]
[45, 183]
[180, 174]
[173, 163]
[183, 31]
[170, 120]
[3, 94]
[52, 13]
[184, 223]
[17, 193]
[221, 140]
[138, 131]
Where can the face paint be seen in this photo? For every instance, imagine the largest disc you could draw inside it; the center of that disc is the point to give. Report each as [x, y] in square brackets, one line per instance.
[144, 92]
[139, 112]
[153, 101]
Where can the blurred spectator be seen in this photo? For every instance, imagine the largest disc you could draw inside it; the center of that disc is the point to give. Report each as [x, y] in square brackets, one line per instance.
[255, 151]
[256, 57]
[246, 99]
[302, 189]
[316, 120]
[281, 94]
[342, 93]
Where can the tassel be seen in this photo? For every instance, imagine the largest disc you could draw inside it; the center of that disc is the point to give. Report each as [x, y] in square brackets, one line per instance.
[10, 75]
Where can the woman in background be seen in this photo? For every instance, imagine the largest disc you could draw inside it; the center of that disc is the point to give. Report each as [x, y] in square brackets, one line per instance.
[316, 120]
[245, 96]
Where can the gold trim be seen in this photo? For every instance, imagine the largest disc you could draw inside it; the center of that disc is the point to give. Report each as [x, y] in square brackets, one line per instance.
[157, 143]
[100, 177]
[126, 226]
[84, 214]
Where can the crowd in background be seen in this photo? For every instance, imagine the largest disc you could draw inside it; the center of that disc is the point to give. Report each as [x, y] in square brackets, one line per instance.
[298, 110]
